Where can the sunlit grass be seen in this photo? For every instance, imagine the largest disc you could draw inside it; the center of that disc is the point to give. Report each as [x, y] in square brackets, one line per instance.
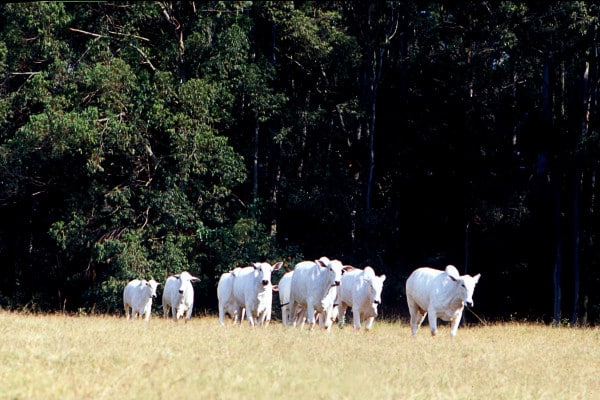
[105, 357]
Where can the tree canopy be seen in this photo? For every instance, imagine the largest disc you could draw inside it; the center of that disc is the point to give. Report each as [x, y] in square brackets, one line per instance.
[141, 139]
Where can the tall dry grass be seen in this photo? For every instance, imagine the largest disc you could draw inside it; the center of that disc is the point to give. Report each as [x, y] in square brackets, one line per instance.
[104, 357]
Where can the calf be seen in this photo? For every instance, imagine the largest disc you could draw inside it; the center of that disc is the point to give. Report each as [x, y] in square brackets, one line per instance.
[438, 294]
[178, 296]
[137, 296]
[361, 290]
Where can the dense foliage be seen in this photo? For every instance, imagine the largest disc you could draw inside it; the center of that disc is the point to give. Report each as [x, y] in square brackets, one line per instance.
[140, 139]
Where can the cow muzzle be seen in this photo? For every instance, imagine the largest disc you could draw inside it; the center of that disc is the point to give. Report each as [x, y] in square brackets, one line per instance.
[336, 283]
[469, 303]
[265, 282]
[377, 302]
[181, 292]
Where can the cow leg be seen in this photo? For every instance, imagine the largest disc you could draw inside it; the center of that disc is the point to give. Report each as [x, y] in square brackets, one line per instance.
[455, 322]
[432, 318]
[221, 314]
[250, 319]
[310, 315]
[342, 315]
[285, 315]
[251, 312]
[369, 323]
[300, 317]
[239, 316]
[416, 317]
[189, 313]
[127, 315]
[356, 319]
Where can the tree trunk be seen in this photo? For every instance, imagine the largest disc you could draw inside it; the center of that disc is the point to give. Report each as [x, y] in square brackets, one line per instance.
[255, 145]
[556, 275]
[577, 187]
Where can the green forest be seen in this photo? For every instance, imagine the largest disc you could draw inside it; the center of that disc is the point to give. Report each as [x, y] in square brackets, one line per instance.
[142, 139]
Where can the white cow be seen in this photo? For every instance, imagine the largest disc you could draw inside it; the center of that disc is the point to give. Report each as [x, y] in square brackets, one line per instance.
[360, 289]
[251, 293]
[284, 288]
[178, 296]
[439, 294]
[137, 296]
[310, 289]
[227, 305]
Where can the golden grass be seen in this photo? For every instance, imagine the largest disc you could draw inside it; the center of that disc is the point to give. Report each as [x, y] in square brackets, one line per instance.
[105, 357]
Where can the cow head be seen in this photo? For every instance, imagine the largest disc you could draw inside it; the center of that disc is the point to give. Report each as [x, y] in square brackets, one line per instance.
[465, 284]
[152, 285]
[334, 268]
[375, 285]
[183, 279]
[263, 271]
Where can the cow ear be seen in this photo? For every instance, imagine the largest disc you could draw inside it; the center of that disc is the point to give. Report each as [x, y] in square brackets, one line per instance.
[382, 277]
[476, 278]
[452, 272]
[277, 265]
[320, 263]
[256, 265]
[276, 288]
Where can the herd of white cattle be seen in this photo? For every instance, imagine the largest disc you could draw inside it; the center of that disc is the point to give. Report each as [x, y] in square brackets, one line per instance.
[313, 292]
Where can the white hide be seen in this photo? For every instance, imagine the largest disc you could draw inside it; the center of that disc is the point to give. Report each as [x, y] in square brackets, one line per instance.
[266, 305]
[226, 300]
[284, 288]
[330, 304]
[137, 297]
[178, 296]
[310, 289]
[438, 294]
[252, 292]
[360, 290]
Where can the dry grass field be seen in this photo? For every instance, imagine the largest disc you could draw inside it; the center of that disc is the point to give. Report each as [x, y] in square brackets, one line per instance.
[106, 357]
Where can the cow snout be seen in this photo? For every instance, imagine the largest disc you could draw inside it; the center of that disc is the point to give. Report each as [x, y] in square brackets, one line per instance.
[336, 283]
[181, 291]
[265, 282]
[153, 296]
[469, 303]
[376, 302]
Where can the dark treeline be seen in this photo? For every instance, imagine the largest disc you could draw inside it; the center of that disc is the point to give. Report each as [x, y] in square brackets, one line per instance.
[142, 139]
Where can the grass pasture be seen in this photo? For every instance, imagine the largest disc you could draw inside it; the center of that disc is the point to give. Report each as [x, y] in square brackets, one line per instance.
[106, 357]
